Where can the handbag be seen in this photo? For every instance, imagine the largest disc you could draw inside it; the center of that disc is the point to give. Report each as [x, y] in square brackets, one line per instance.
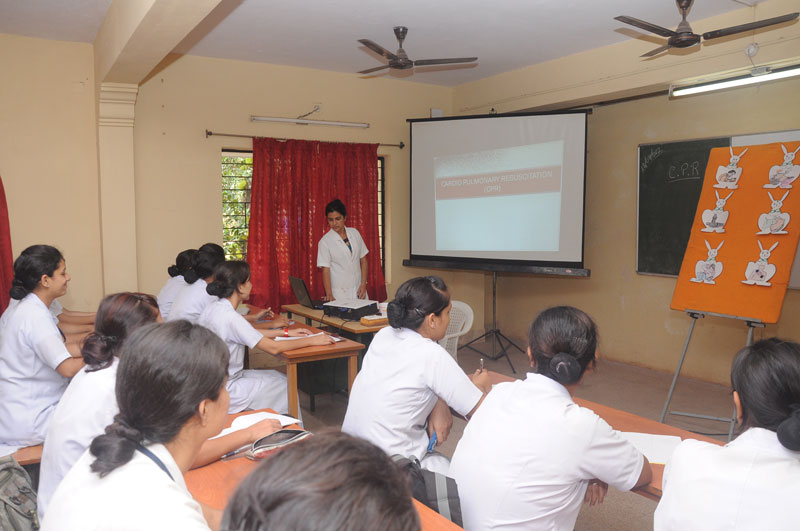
[437, 491]
[17, 498]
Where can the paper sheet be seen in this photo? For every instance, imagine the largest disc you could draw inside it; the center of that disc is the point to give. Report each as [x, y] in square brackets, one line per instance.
[657, 448]
[245, 421]
[292, 338]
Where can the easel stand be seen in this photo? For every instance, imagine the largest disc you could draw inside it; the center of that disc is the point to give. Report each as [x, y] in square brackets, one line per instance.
[495, 334]
[695, 315]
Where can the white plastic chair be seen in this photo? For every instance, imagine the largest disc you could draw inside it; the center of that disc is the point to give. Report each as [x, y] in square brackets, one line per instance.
[461, 318]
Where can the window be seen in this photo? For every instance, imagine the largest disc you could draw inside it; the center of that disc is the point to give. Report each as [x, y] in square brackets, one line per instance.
[237, 179]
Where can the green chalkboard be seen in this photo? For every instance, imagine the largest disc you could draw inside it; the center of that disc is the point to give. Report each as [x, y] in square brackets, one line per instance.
[670, 179]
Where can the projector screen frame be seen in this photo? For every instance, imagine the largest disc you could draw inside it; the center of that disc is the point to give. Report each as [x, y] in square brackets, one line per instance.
[568, 268]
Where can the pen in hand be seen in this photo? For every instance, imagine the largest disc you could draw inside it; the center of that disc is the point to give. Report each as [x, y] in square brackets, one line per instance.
[481, 365]
[432, 443]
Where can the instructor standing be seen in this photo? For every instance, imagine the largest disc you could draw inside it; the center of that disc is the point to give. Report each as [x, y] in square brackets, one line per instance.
[342, 256]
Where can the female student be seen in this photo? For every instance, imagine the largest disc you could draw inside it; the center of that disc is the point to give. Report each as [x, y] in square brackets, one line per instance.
[329, 481]
[89, 403]
[530, 455]
[254, 389]
[753, 482]
[184, 262]
[34, 362]
[190, 301]
[342, 255]
[406, 372]
[171, 395]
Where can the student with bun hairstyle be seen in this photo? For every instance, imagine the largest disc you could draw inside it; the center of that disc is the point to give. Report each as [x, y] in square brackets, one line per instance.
[171, 394]
[184, 263]
[408, 377]
[534, 473]
[753, 482]
[328, 482]
[190, 301]
[35, 365]
[249, 389]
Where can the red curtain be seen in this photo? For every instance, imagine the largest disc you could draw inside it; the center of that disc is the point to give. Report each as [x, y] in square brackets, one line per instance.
[6, 257]
[293, 180]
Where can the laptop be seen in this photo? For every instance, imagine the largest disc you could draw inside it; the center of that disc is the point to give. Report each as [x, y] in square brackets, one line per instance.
[301, 292]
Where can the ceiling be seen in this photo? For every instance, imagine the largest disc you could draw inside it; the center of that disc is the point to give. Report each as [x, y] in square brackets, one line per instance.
[321, 34]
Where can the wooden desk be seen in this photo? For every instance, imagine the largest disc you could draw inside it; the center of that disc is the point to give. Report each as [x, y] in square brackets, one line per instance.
[352, 327]
[624, 421]
[28, 455]
[214, 484]
[341, 349]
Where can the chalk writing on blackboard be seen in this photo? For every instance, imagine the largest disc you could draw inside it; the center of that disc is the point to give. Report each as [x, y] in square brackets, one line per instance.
[650, 157]
[686, 170]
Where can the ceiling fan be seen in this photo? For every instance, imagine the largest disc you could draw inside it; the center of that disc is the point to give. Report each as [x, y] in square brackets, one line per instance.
[683, 37]
[400, 60]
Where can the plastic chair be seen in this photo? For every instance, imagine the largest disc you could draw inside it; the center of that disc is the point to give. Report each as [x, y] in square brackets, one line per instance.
[461, 318]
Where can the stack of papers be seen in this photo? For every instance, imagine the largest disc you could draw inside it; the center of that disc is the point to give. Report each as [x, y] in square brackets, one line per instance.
[291, 338]
[656, 448]
[245, 421]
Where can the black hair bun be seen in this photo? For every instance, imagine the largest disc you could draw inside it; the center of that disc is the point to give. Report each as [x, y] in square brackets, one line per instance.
[218, 289]
[789, 430]
[396, 313]
[173, 271]
[190, 277]
[565, 368]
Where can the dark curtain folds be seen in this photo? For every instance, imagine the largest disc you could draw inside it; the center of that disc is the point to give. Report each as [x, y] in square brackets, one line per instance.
[293, 180]
[6, 257]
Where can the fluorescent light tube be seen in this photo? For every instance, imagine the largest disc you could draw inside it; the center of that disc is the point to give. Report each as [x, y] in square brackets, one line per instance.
[734, 82]
[303, 121]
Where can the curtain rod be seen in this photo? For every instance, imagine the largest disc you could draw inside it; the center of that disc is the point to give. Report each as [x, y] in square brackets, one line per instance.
[401, 145]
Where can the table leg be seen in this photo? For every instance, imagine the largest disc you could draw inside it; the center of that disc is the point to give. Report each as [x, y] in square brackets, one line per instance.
[352, 370]
[291, 387]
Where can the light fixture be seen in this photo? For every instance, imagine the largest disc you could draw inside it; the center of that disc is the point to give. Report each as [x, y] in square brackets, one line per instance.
[305, 121]
[760, 74]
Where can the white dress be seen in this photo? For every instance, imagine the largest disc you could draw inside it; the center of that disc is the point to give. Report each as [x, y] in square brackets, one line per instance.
[138, 495]
[190, 302]
[752, 483]
[55, 310]
[249, 389]
[31, 347]
[528, 453]
[168, 293]
[345, 265]
[402, 377]
[88, 405]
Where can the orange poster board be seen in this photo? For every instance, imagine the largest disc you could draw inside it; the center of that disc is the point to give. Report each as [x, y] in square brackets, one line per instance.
[745, 232]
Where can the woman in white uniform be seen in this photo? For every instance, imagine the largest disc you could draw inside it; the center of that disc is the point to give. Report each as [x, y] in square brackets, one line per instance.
[249, 389]
[176, 283]
[534, 474]
[35, 365]
[753, 482]
[342, 256]
[407, 375]
[190, 301]
[172, 397]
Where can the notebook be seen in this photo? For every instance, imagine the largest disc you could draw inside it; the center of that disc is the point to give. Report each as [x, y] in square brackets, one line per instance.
[301, 292]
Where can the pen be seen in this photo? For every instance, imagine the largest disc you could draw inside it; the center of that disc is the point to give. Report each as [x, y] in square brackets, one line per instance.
[235, 452]
[481, 364]
[432, 442]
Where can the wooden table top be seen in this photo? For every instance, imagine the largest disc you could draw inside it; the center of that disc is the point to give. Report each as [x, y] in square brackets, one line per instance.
[624, 421]
[354, 327]
[215, 483]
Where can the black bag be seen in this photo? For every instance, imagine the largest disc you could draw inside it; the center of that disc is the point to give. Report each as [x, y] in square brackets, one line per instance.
[17, 498]
[435, 490]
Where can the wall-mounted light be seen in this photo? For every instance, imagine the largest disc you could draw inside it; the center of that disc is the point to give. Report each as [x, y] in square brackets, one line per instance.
[305, 121]
[760, 74]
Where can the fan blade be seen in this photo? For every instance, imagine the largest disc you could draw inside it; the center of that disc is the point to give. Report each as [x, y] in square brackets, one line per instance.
[378, 49]
[747, 27]
[652, 28]
[370, 70]
[657, 51]
[452, 60]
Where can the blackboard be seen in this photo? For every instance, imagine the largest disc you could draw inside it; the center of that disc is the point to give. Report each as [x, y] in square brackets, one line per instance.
[670, 179]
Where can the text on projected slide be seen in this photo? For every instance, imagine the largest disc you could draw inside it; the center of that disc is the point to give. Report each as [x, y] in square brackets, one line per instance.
[506, 199]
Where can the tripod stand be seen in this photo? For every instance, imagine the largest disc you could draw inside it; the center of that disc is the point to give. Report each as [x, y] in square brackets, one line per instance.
[495, 334]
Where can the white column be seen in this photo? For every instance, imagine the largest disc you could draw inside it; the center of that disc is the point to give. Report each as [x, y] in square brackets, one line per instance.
[117, 190]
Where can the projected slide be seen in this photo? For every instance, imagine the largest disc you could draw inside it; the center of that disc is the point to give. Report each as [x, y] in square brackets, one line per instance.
[491, 200]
